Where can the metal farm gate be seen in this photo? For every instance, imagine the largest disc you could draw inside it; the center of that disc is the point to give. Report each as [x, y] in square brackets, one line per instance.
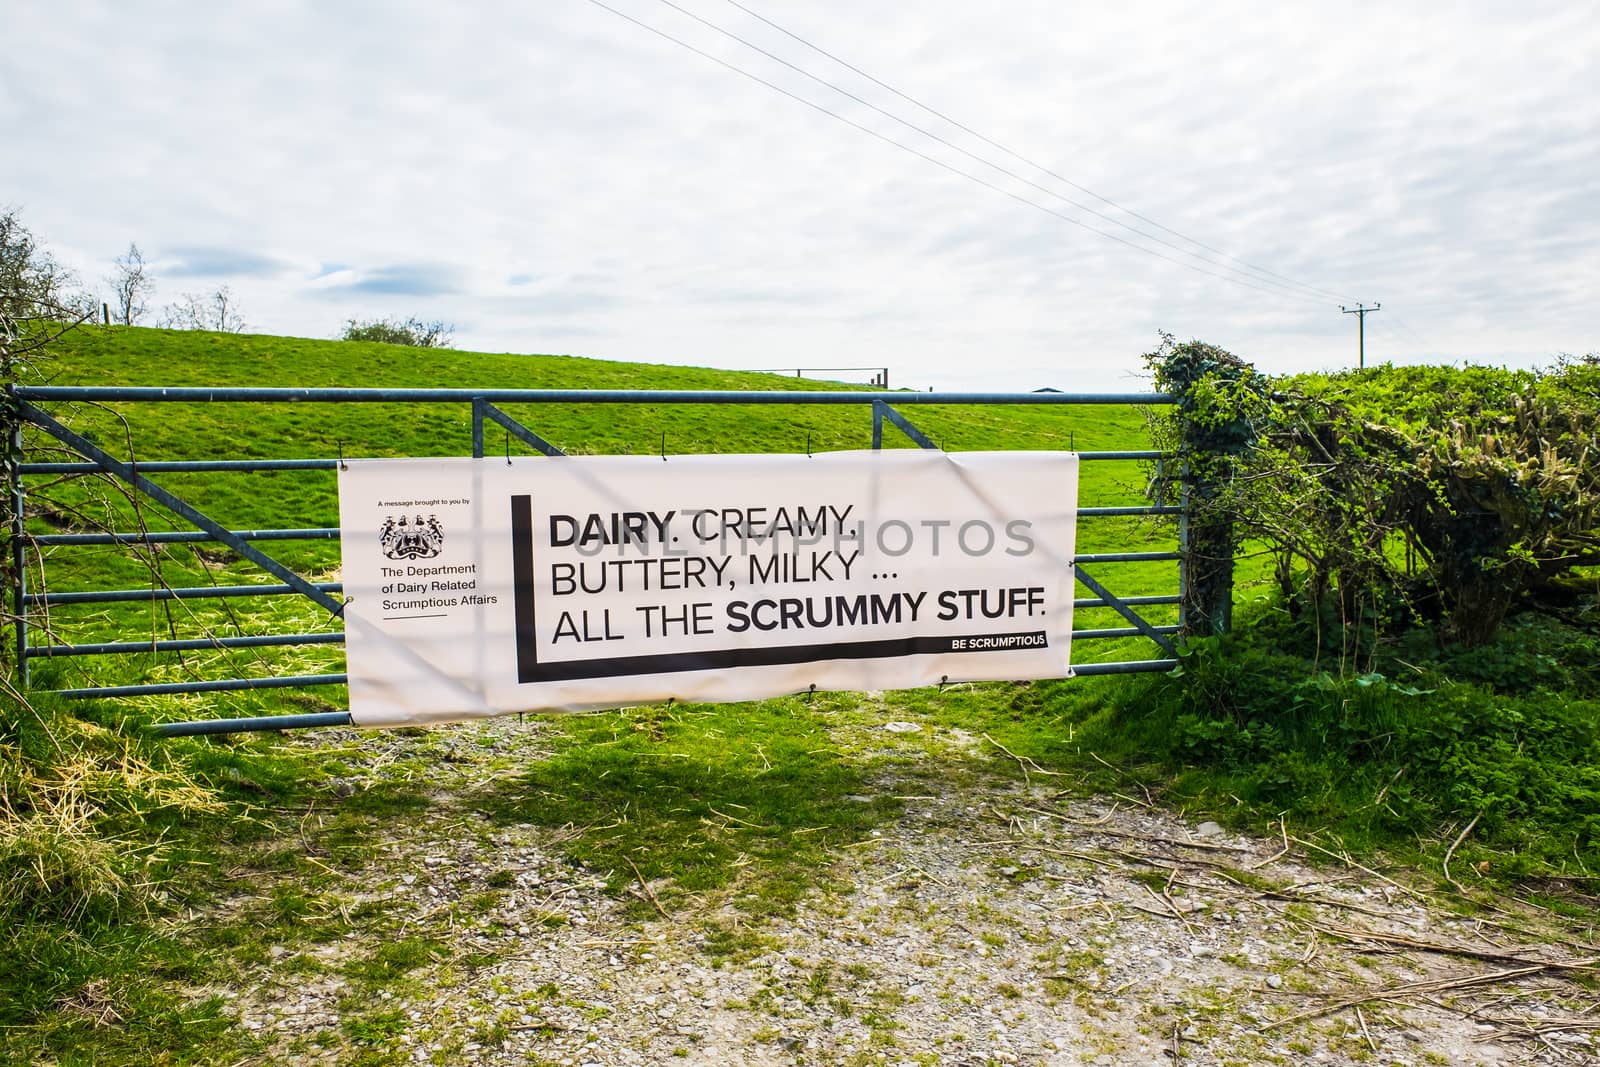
[54, 454]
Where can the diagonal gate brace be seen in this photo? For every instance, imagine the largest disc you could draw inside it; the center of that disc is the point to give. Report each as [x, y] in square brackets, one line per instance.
[128, 473]
[483, 409]
[882, 411]
[1115, 602]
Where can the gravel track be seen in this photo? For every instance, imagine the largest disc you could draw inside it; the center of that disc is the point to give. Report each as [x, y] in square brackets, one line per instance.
[1002, 923]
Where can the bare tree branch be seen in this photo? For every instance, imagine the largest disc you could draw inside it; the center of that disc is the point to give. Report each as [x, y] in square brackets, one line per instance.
[191, 311]
[130, 283]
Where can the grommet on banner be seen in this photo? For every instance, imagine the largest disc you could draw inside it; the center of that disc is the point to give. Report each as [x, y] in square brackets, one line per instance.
[811, 693]
[943, 680]
[508, 448]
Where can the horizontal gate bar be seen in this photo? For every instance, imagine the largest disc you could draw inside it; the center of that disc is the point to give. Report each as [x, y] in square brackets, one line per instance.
[1090, 457]
[192, 644]
[170, 466]
[1101, 602]
[225, 685]
[1126, 557]
[332, 533]
[199, 592]
[1136, 666]
[1137, 509]
[201, 466]
[342, 718]
[1121, 631]
[167, 537]
[203, 394]
[258, 724]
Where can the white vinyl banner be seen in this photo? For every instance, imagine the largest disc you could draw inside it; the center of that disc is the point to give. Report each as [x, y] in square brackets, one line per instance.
[480, 586]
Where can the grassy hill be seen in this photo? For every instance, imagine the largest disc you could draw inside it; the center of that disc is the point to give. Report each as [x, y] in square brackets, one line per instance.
[190, 358]
[299, 499]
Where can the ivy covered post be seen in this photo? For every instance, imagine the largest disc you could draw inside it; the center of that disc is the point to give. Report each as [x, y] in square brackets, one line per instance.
[1219, 410]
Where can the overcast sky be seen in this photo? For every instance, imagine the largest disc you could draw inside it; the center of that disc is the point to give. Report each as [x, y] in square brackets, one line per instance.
[553, 178]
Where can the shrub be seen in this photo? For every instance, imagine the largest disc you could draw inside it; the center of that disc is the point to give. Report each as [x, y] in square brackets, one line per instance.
[413, 332]
[1392, 495]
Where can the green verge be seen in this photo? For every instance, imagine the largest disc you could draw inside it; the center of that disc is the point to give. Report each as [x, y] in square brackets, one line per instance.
[1499, 747]
[106, 833]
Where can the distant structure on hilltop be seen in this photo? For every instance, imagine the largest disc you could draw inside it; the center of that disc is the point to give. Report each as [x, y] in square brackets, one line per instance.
[879, 375]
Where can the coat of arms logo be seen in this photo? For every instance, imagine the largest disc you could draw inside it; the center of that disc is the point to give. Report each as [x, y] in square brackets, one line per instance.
[417, 538]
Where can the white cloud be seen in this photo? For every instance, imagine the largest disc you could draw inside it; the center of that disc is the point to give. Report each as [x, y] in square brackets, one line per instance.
[550, 175]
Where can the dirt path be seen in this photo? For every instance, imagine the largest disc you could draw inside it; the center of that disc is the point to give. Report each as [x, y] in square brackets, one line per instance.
[997, 924]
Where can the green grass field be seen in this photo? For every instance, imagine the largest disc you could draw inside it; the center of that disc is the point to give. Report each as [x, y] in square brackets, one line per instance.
[157, 431]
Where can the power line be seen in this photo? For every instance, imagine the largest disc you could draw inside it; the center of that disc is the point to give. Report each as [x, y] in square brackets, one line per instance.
[1024, 159]
[1387, 336]
[1288, 284]
[939, 162]
[1404, 325]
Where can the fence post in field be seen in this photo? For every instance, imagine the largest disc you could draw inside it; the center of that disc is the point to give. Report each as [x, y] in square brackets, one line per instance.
[12, 563]
[1206, 582]
[1215, 423]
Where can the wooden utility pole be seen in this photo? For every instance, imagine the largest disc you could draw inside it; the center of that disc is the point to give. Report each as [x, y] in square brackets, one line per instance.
[1360, 312]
